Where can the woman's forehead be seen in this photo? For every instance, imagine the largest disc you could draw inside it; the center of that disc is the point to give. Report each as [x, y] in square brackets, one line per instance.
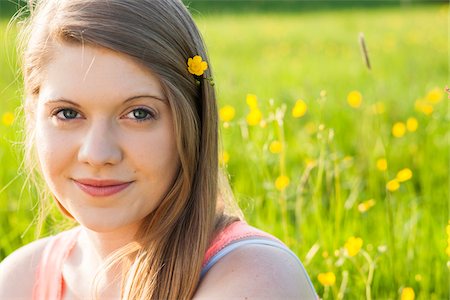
[97, 72]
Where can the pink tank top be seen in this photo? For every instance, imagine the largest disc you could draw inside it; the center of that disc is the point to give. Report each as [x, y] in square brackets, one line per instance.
[49, 282]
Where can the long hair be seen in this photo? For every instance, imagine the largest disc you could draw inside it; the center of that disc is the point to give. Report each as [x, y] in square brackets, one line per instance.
[160, 35]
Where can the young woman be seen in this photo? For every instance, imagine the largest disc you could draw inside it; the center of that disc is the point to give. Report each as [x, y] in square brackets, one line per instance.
[122, 123]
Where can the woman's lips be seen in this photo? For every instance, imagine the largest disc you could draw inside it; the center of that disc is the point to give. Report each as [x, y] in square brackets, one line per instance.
[101, 188]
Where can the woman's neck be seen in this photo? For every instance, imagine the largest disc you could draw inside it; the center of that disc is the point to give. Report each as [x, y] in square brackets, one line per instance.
[102, 244]
[89, 255]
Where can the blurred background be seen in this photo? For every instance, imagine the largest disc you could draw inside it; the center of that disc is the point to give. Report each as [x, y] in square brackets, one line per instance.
[343, 156]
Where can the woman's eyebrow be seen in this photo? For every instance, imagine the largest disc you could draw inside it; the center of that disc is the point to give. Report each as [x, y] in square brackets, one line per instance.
[146, 96]
[57, 100]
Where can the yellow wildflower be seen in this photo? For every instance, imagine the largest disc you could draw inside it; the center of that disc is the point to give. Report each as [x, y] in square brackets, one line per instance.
[197, 66]
[225, 158]
[8, 118]
[366, 205]
[354, 99]
[404, 175]
[252, 101]
[423, 107]
[227, 113]
[434, 96]
[381, 164]
[399, 129]
[281, 182]
[254, 117]
[393, 185]
[325, 254]
[353, 246]
[327, 279]
[412, 124]
[299, 109]
[407, 294]
[275, 147]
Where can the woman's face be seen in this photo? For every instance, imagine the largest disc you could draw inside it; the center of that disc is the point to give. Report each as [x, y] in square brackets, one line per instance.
[105, 137]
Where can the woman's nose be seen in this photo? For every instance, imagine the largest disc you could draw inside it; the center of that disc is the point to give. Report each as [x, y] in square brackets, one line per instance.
[100, 146]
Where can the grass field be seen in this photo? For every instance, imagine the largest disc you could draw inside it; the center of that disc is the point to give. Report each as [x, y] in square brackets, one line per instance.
[349, 166]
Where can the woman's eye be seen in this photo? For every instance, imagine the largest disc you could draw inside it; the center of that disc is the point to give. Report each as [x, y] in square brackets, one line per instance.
[140, 114]
[67, 114]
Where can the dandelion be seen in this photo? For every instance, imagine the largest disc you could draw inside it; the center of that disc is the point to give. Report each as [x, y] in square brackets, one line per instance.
[327, 279]
[252, 101]
[434, 96]
[412, 124]
[254, 117]
[299, 109]
[423, 107]
[398, 129]
[281, 182]
[227, 113]
[8, 118]
[197, 66]
[354, 99]
[275, 147]
[353, 246]
[404, 175]
[381, 164]
[393, 185]
[366, 205]
[407, 294]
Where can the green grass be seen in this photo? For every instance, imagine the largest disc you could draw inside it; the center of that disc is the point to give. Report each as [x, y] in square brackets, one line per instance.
[330, 153]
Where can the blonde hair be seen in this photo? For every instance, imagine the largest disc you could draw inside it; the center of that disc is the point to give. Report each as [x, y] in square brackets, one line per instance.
[160, 35]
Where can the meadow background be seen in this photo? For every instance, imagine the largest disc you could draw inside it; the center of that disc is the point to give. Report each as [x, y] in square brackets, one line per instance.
[348, 166]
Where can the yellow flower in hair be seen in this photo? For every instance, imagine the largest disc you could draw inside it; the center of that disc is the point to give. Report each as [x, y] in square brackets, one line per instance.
[197, 66]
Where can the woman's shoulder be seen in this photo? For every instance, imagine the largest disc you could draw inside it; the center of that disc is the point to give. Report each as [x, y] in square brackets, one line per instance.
[257, 270]
[17, 271]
